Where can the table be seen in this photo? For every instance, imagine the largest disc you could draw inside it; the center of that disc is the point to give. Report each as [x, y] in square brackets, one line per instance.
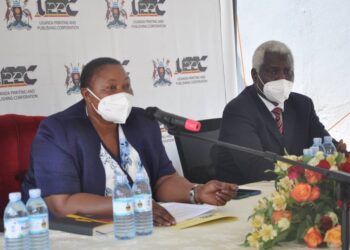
[220, 235]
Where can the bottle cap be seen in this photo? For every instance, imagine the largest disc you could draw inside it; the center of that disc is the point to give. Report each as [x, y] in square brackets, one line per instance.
[34, 193]
[307, 152]
[317, 140]
[327, 139]
[16, 196]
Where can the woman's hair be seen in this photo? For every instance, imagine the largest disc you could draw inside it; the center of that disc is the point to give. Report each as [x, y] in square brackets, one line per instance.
[270, 46]
[90, 69]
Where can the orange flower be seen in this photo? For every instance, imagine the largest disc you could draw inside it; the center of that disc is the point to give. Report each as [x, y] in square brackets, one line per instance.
[313, 237]
[315, 194]
[333, 237]
[301, 192]
[277, 215]
[312, 177]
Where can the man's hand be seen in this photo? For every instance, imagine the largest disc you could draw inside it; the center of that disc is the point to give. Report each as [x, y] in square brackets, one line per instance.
[215, 192]
[341, 146]
[161, 217]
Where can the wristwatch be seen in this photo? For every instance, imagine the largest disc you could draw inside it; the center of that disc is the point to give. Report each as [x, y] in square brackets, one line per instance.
[192, 194]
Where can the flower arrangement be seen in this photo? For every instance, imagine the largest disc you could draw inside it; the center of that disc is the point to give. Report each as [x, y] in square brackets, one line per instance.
[304, 206]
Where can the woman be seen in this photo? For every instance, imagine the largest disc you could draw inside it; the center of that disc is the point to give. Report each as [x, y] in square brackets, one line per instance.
[76, 152]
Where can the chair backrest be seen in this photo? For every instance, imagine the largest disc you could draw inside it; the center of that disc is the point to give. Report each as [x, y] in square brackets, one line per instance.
[197, 156]
[16, 135]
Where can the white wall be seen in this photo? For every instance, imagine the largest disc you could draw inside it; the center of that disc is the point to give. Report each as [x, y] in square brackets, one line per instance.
[197, 34]
[318, 33]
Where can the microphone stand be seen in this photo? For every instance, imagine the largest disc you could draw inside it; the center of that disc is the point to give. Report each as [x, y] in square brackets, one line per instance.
[342, 178]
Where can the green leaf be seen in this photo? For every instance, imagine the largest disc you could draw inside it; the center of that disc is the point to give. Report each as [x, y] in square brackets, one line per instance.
[302, 227]
[282, 236]
[339, 158]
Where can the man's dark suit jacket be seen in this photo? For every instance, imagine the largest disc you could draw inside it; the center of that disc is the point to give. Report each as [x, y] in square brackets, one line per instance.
[247, 122]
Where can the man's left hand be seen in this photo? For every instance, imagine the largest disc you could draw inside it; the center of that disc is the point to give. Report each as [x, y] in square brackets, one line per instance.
[215, 192]
[341, 147]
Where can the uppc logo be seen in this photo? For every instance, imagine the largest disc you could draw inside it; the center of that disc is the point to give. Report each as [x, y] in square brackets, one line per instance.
[190, 65]
[16, 76]
[147, 8]
[56, 8]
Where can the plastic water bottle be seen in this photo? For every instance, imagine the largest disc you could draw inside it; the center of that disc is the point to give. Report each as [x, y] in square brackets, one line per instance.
[38, 221]
[318, 143]
[314, 150]
[16, 223]
[328, 145]
[143, 204]
[123, 209]
[308, 153]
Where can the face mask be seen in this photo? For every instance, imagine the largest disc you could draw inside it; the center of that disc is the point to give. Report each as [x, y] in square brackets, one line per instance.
[114, 108]
[277, 91]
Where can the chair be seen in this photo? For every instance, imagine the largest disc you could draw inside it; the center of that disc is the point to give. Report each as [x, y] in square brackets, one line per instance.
[197, 157]
[16, 135]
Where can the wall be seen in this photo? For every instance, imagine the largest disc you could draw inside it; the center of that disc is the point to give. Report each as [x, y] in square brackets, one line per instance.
[318, 33]
[43, 52]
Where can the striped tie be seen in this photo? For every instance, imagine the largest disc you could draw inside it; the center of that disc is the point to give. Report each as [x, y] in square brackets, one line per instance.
[278, 119]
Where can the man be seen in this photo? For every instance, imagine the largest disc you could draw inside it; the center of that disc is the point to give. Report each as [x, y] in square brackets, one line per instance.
[267, 117]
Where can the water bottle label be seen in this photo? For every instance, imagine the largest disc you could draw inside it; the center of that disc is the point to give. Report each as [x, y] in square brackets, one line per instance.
[39, 223]
[16, 228]
[123, 206]
[143, 203]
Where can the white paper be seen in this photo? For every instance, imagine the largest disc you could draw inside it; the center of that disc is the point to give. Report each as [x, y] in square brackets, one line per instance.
[184, 211]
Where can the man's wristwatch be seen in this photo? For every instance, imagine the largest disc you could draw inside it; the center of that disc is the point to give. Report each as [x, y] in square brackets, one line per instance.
[192, 194]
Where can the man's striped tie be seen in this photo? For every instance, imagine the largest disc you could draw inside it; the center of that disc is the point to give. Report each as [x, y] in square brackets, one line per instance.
[278, 119]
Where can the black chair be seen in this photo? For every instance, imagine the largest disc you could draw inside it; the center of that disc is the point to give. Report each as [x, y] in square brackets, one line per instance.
[197, 156]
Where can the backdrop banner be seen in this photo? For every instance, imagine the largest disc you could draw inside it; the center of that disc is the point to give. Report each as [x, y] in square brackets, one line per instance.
[172, 51]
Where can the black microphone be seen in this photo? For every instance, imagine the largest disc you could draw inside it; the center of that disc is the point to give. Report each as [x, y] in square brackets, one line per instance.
[171, 120]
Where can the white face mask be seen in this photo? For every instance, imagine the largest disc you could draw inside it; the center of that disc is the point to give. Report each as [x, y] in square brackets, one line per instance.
[277, 91]
[114, 108]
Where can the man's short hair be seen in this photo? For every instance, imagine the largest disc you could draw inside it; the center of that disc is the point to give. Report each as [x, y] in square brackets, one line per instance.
[270, 46]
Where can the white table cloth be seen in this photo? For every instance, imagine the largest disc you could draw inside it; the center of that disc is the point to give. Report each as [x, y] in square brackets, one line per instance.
[220, 235]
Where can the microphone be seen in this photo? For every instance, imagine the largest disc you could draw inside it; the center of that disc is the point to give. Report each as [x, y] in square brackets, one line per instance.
[171, 120]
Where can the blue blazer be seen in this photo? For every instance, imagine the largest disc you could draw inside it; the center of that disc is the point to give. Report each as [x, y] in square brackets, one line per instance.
[65, 153]
[248, 122]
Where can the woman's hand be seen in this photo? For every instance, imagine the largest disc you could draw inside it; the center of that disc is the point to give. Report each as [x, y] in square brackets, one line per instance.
[215, 192]
[161, 217]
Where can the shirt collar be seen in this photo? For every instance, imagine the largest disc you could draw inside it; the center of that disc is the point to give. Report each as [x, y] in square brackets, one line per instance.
[269, 105]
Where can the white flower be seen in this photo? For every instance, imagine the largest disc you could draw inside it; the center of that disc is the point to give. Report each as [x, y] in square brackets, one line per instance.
[286, 184]
[262, 204]
[267, 232]
[278, 201]
[257, 221]
[283, 224]
[331, 159]
[319, 155]
[253, 240]
[292, 157]
[281, 166]
[314, 162]
[286, 194]
[333, 217]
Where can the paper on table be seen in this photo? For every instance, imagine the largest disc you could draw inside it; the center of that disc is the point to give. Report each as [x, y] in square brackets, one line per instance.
[183, 211]
[205, 219]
